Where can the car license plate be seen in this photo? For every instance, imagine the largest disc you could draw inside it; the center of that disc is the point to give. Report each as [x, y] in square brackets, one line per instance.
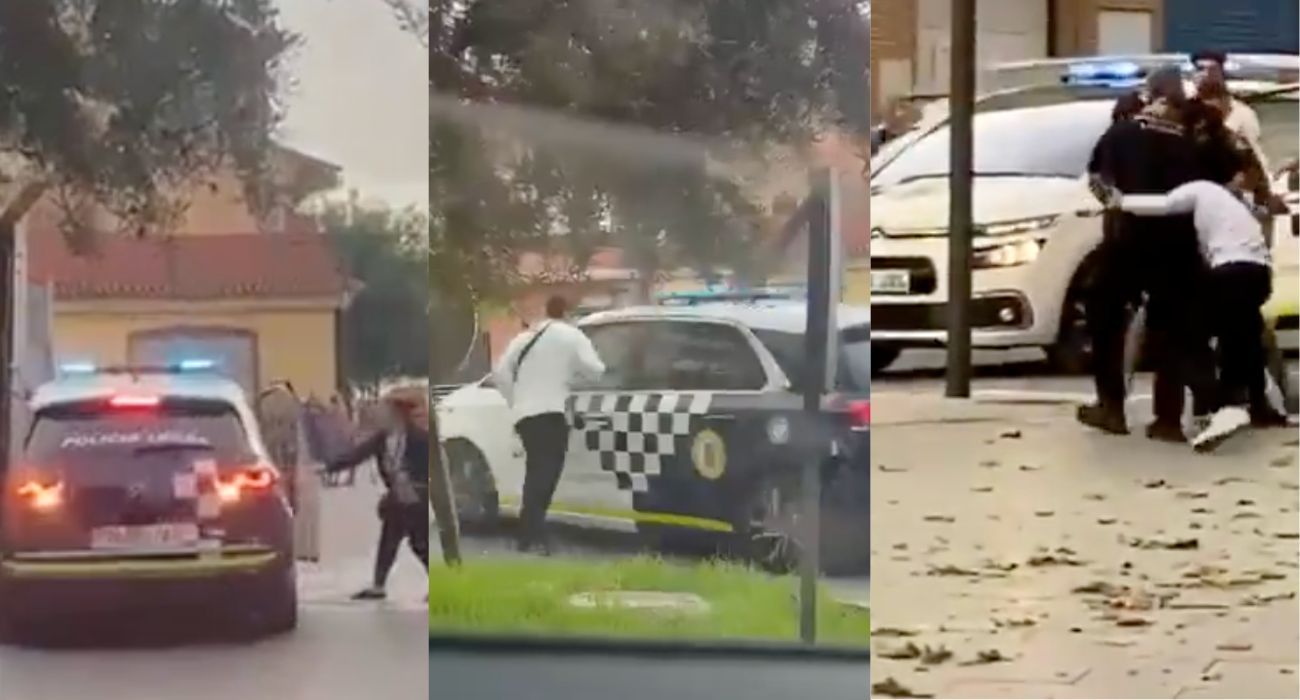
[891, 282]
[158, 536]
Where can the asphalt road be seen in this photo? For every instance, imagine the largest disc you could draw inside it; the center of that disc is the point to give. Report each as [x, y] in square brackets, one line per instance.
[341, 650]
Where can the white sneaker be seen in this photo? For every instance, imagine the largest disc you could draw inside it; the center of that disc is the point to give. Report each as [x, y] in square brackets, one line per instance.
[1225, 423]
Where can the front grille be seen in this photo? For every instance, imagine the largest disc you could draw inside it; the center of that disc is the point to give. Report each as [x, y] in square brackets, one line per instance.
[920, 269]
[986, 313]
[1288, 323]
[440, 391]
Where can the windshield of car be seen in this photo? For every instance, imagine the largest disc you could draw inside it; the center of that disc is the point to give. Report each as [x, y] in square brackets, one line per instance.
[853, 358]
[90, 433]
[1032, 135]
[1279, 121]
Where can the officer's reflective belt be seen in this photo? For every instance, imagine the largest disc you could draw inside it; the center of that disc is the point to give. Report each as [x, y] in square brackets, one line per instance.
[673, 519]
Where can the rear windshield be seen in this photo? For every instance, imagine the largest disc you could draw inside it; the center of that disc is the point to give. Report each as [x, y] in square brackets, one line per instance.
[85, 431]
[853, 363]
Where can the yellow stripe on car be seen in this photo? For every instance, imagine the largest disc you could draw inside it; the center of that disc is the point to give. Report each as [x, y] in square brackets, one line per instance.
[137, 568]
[647, 517]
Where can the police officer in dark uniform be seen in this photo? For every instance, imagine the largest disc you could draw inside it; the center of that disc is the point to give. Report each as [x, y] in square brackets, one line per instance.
[1149, 152]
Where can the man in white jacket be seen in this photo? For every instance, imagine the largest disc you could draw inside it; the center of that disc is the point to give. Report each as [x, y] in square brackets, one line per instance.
[535, 375]
[1232, 243]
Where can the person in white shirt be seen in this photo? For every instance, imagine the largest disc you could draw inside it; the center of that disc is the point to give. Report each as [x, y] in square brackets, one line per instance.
[535, 374]
[1232, 242]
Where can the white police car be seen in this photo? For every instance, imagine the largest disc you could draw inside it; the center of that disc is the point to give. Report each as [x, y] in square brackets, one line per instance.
[1031, 250]
[144, 491]
[695, 430]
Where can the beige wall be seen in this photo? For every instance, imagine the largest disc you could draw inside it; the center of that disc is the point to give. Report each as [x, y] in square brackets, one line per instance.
[294, 343]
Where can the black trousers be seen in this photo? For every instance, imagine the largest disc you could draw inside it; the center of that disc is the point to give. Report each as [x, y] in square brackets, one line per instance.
[401, 521]
[1143, 257]
[546, 441]
[1240, 289]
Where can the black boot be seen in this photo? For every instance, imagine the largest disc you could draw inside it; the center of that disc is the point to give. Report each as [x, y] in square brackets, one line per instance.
[1166, 431]
[1103, 417]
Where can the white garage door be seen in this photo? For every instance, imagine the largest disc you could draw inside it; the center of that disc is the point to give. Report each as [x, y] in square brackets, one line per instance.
[1006, 30]
[234, 351]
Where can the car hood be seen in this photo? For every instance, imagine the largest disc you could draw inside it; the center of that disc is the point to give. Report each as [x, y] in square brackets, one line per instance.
[921, 207]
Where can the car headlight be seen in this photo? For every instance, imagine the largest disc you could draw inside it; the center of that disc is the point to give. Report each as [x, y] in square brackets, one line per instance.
[1021, 252]
[1011, 228]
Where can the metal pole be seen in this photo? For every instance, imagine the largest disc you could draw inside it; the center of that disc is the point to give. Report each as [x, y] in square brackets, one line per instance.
[960, 229]
[815, 347]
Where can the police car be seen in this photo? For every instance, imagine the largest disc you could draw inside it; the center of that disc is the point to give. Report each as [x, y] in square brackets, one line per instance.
[1032, 250]
[694, 433]
[144, 489]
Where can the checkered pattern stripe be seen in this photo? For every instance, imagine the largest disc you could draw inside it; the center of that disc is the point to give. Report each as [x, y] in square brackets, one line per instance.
[200, 485]
[634, 435]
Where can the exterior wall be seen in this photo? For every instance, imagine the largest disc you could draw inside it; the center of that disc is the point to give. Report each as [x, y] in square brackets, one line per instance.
[1239, 25]
[893, 51]
[294, 343]
[1076, 31]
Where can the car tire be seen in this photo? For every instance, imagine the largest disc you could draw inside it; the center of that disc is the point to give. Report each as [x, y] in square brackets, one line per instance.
[882, 356]
[478, 505]
[1072, 352]
[279, 615]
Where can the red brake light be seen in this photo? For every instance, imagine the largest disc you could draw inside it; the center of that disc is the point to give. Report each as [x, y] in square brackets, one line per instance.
[41, 496]
[859, 413]
[133, 401]
[232, 486]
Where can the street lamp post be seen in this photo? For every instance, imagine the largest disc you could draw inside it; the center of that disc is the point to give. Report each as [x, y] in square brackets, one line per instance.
[960, 228]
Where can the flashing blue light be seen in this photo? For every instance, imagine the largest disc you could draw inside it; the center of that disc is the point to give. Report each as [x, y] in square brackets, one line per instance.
[1111, 74]
[196, 365]
[78, 368]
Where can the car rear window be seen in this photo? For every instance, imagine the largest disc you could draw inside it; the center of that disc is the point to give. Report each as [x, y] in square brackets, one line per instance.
[853, 363]
[675, 356]
[95, 431]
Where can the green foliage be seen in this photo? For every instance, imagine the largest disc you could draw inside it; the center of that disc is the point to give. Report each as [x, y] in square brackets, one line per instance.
[126, 102]
[717, 77]
[385, 333]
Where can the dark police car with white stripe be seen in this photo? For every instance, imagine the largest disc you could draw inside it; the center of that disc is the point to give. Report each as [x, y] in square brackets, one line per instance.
[694, 435]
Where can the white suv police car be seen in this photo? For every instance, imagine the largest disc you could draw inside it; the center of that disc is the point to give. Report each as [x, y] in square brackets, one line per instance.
[1032, 251]
[695, 431]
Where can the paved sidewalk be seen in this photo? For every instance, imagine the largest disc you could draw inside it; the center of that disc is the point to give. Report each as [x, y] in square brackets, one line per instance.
[349, 534]
[1055, 562]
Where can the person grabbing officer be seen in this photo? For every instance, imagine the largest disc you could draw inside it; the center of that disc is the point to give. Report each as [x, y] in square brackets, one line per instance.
[1151, 152]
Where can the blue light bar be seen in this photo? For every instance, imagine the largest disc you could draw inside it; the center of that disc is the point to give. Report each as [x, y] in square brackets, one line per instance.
[196, 365]
[1104, 74]
[77, 368]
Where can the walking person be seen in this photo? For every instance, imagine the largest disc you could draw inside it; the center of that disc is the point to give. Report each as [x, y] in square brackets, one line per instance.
[535, 374]
[400, 448]
[1232, 241]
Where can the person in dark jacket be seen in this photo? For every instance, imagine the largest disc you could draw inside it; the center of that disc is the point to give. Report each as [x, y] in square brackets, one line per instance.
[1151, 151]
[401, 450]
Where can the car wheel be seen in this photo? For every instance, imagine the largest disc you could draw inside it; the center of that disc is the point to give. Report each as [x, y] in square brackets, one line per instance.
[882, 356]
[478, 506]
[770, 526]
[279, 615]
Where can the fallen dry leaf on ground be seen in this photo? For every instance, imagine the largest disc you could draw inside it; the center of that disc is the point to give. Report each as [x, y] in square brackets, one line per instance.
[1039, 560]
[1235, 646]
[890, 688]
[892, 632]
[901, 651]
[1044, 513]
[1133, 622]
[1106, 521]
[935, 656]
[1010, 434]
[1155, 483]
[1100, 588]
[1095, 496]
[1230, 480]
[887, 470]
[989, 656]
[1029, 468]
[1174, 544]
[951, 570]
[1192, 495]
[982, 489]
[1015, 622]
[1259, 600]
[990, 463]
[1283, 461]
[939, 519]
